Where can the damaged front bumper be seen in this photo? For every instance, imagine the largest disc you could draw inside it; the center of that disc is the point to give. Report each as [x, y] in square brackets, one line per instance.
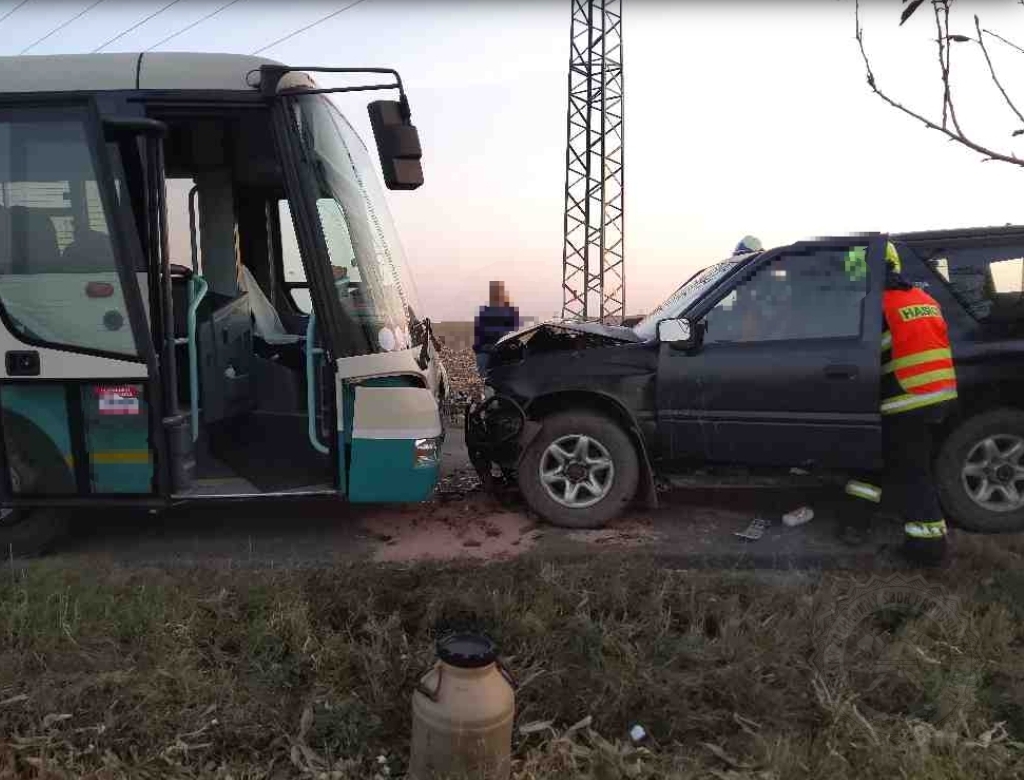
[497, 433]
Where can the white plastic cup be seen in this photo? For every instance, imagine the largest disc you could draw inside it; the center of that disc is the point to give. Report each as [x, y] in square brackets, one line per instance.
[798, 516]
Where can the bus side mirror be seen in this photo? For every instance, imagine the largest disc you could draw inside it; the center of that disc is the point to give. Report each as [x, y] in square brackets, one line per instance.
[398, 144]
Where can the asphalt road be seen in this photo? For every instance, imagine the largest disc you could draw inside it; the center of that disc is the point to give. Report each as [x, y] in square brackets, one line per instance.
[692, 529]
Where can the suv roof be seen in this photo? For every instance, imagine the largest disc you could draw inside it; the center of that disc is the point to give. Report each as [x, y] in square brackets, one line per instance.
[965, 235]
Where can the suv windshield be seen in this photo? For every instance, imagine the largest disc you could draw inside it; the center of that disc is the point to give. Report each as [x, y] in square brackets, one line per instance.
[678, 301]
[370, 274]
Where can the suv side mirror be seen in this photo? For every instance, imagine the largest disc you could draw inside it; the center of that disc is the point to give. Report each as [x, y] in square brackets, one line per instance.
[398, 144]
[680, 334]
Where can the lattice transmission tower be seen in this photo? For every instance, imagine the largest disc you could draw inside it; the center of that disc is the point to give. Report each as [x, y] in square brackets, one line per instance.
[593, 267]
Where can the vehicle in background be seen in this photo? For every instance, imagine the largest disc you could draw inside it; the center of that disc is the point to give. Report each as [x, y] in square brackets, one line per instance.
[271, 346]
[768, 360]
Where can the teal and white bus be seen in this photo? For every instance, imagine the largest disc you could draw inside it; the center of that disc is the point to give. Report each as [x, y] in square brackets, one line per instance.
[202, 295]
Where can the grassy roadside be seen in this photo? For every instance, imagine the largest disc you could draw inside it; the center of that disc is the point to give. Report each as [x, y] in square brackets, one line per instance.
[267, 674]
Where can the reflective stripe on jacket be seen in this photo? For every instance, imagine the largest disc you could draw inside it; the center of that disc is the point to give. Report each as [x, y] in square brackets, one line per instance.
[917, 363]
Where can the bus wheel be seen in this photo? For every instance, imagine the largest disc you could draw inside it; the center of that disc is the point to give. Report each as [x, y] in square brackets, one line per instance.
[28, 532]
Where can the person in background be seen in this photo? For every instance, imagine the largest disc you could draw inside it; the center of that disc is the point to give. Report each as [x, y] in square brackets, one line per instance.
[492, 322]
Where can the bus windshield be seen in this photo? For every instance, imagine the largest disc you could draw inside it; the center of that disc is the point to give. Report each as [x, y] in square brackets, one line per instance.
[370, 275]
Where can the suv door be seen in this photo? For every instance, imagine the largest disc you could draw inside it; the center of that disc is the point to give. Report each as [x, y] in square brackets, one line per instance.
[788, 372]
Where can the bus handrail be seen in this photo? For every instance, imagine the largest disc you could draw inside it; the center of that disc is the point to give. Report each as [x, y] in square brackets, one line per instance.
[311, 353]
[197, 291]
[193, 239]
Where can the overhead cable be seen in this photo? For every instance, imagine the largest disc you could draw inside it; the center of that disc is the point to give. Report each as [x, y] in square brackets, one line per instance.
[194, 24]
[309, 26]
[61, 26]
[16, 7]
[134, 27]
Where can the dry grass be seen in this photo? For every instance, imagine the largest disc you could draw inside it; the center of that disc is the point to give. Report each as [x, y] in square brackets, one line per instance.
[262, 674]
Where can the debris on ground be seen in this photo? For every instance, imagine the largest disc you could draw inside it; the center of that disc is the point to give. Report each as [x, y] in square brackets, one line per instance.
[475, 529]
[755, 530]
[458, 484]
[625, 533]
[638, 733]
[798, 516]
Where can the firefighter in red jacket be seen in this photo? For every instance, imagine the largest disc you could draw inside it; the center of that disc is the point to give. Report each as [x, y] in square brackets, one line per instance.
[918, 388]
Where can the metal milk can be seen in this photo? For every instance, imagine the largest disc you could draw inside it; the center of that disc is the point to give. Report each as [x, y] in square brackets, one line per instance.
[462, 713]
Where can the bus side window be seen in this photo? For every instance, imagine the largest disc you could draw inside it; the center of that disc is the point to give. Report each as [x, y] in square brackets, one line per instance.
[291, 260]
[55, 244]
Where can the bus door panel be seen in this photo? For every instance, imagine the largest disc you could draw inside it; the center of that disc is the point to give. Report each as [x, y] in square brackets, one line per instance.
[75, 388]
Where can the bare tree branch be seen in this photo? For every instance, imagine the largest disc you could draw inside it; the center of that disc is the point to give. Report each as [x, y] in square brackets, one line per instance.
[949, 52]
[953, 135]
[992, 71]
[941, 10]
[940, 39]
[1011, 44]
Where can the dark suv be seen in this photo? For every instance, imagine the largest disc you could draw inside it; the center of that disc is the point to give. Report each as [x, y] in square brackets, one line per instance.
[767, 360]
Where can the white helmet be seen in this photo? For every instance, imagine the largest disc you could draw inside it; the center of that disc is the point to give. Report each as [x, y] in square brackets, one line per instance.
[748, 244]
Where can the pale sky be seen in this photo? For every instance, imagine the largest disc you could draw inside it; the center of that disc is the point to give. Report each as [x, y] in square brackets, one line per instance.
[740, 118]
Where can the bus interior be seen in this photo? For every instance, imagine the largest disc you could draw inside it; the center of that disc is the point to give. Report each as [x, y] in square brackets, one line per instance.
[247, 400]
[230, 226]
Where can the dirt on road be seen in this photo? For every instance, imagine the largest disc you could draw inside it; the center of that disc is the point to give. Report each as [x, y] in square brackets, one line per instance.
[471, 529]
[693, 528]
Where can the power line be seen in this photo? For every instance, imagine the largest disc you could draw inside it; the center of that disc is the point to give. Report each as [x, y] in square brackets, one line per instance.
[134, 27]
[60, 27]
[309, 26]
[19, 5]
[194, 24]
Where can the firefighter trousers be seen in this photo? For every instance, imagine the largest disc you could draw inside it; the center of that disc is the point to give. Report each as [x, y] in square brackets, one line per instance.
[906, 484]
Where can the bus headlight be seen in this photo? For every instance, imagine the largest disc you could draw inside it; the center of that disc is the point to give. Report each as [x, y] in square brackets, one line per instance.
[426, 453]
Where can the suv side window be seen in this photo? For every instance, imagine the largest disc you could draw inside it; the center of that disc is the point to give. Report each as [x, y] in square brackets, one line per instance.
[798, 295]
[987, 281]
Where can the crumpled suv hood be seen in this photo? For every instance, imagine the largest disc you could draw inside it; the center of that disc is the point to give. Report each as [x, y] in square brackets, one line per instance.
[598, 333]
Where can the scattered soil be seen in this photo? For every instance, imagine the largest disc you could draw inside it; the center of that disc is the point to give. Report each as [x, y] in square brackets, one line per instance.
[631, 532]
[459, 483]
[479, 528]
[475, 528]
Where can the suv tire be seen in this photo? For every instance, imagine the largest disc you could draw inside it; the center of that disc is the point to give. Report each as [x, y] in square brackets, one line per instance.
[972, 457]
[580, 471]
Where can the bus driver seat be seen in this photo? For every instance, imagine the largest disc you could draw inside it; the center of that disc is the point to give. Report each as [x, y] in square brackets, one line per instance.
[266, 321]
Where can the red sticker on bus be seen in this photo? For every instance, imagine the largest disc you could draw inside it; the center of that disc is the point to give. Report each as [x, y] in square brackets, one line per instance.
[121, 399]
[128, 391]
